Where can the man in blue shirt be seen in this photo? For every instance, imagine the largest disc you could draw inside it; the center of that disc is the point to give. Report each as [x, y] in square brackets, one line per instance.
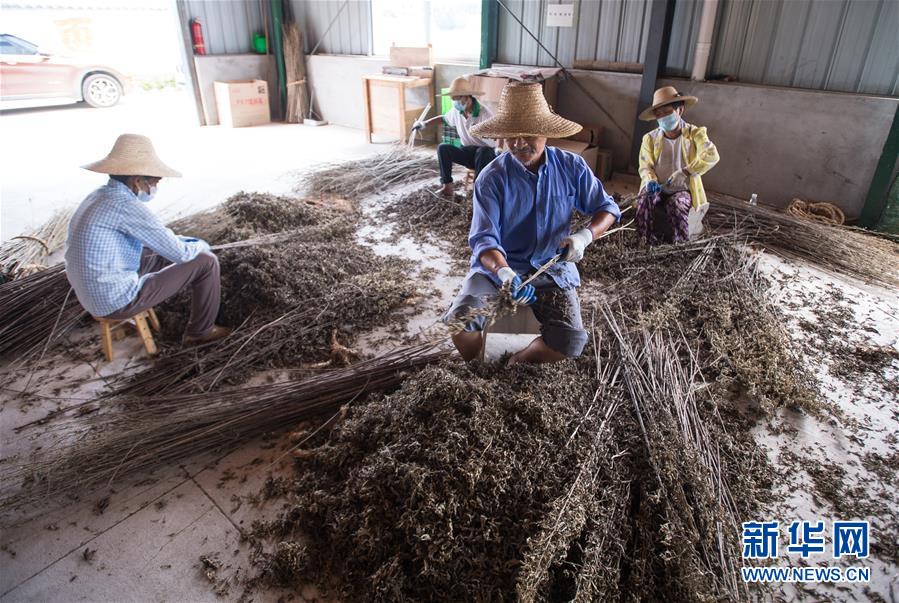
[523, 205]
[122, 260]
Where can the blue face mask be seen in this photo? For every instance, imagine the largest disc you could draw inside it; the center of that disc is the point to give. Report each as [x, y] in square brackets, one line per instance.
[458, 106]
[670, 122]
[146, 196]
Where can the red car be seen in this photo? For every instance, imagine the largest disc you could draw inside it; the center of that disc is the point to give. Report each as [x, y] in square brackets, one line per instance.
[27, 74]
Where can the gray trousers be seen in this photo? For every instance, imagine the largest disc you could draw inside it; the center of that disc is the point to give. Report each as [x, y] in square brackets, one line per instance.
[557, 310]
[165, 279]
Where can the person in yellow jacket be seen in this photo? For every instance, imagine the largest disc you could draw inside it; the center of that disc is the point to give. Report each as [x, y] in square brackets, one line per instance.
[673, 158]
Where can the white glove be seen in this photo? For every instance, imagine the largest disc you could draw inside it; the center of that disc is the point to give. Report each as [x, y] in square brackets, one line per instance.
[418, 125]
[577, 243]
[678, 180]
[505, 274]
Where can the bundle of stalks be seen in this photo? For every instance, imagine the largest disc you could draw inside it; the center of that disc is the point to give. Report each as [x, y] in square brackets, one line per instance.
[836, 249]
[354, 179]
[295, 72]
[25, 254]
[161, 431]
[35, 312]
[687, 497]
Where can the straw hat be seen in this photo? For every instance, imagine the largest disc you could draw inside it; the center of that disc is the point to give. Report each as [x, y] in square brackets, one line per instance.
[461, 86]
[132, 155]
[666, 96]
[523, 111]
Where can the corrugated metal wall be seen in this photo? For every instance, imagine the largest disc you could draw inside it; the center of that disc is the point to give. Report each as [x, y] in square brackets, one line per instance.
[841, 45]
[605, 31]
[228, 27]
[351, 33]
[610, 30]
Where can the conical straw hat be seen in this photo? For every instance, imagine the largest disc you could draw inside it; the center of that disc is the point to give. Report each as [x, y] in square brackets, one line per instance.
[461, 86]
[666, 96]
[523, 111]
[132, 155]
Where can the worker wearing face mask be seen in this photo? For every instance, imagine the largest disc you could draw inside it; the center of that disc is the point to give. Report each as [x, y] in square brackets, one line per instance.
[122, 260]
[475, 153]
[673, 158]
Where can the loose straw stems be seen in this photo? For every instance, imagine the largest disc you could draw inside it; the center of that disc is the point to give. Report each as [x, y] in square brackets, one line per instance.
[161, 431]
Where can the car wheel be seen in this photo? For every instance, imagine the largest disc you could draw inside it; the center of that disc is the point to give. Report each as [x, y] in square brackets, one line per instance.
[101, 90]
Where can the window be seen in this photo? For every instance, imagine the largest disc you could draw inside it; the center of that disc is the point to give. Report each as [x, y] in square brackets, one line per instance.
[453, 28]
[14, 45]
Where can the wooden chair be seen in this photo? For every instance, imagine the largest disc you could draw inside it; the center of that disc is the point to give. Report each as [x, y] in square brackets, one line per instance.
[114, 329]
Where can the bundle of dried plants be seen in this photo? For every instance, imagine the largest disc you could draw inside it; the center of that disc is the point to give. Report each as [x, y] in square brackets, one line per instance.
[361, 177]
[836, 249]
[28, 253]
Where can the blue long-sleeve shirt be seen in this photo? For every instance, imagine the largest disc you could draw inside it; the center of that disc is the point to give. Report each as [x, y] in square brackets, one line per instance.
[525, 215]
[106, 237]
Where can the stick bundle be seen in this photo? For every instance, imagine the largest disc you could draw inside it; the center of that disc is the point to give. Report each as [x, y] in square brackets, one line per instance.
[36, 311]
[295, 72]
[699, 515]
[27, 253]
[161, 431]
[833, 248]
[354, 179]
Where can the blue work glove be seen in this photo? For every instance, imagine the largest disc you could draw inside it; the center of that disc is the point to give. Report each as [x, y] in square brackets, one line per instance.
[653, 187]
[522, 295]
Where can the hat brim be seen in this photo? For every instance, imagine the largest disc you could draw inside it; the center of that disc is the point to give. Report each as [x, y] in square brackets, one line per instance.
[688, 101]
[549, 126]
[463, 93]
[132, 168]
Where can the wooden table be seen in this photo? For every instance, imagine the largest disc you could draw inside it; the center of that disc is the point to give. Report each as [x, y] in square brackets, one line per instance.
[384, 99]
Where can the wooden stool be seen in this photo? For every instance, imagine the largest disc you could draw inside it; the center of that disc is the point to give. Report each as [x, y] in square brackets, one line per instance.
[469, 181]
[111, 328]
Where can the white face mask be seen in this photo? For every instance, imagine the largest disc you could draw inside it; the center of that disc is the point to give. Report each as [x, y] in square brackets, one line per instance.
[146, 196]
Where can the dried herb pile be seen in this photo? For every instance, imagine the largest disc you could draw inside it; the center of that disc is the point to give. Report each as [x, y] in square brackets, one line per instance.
[289, 302]
[712, 289]
[458, 487]
[616, 476]
[428, 219]
[538, 484]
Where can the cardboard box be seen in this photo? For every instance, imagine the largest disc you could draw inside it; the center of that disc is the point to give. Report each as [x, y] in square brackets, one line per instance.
[242, 103]
[603, 169]
[589, 153]
[591, 134]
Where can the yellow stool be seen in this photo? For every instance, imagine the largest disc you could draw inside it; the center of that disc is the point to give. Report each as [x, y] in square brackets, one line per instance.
[111, 329]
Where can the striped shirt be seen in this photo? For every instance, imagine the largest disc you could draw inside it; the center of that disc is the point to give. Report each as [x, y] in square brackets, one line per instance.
[107, 235]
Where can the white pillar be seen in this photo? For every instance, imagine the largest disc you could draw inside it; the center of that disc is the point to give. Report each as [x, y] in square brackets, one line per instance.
[704, 40]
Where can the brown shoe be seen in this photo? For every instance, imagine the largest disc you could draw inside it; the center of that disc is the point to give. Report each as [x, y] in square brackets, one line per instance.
[214, 334]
